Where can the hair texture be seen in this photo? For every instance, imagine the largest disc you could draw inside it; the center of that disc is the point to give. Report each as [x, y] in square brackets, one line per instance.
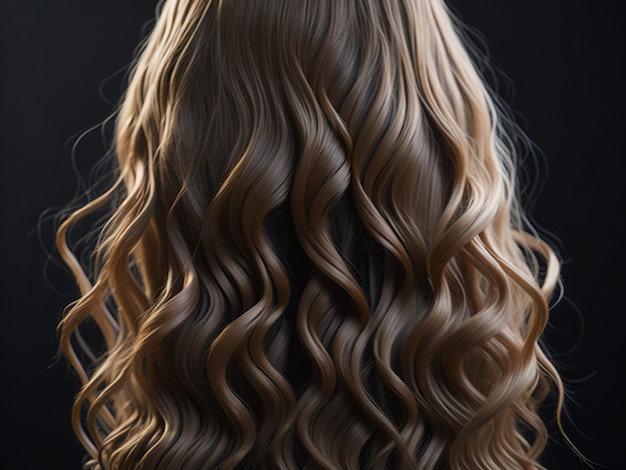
[312, 253]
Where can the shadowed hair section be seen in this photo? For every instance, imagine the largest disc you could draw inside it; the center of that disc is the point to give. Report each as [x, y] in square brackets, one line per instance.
[314, 254]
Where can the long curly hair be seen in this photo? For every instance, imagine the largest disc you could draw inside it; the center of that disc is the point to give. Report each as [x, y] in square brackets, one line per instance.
[313, 251]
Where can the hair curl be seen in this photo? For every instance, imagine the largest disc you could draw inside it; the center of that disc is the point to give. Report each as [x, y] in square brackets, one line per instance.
[314, 254]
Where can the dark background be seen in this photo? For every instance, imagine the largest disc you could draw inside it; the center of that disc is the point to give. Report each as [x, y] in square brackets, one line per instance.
[565, 66]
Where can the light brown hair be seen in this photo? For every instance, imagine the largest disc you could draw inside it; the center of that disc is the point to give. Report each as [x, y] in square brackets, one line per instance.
[315, 254]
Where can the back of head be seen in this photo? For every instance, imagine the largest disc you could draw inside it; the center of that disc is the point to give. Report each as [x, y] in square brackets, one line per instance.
[315, 255]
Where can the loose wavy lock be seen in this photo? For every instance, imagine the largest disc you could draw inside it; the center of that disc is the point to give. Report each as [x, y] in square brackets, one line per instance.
[314, 254]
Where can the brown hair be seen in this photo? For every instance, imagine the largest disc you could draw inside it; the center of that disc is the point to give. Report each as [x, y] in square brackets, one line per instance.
[315, 254]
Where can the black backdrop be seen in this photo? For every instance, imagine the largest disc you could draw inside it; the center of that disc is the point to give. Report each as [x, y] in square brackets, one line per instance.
[565, 65]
